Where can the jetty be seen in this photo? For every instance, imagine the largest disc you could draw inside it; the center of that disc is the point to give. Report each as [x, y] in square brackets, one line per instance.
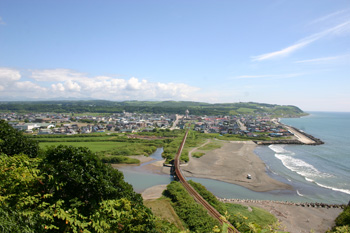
[302, 138]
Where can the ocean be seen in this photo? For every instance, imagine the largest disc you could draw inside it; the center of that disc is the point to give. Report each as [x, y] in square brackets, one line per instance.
[317, 173]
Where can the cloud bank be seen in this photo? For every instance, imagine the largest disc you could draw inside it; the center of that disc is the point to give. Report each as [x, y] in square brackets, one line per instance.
[65, 83]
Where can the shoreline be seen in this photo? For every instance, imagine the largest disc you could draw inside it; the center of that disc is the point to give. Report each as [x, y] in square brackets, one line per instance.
[232, 163]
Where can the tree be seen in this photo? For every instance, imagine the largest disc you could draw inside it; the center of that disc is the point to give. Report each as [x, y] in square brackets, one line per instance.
[68, 190]
[14, 142]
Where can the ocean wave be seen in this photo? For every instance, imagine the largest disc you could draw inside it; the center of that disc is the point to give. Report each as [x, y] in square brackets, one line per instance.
[334, 189]
[308, 171]
[279, 149]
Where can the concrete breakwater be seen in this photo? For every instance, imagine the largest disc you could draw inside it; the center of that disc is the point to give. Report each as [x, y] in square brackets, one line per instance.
[316, 140]
[270, 142]
[315, 205]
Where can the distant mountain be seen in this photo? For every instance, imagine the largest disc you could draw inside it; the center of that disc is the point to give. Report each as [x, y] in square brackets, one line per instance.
[162, 107]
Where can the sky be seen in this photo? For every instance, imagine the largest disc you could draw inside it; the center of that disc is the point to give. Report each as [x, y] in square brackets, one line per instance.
[215, 51]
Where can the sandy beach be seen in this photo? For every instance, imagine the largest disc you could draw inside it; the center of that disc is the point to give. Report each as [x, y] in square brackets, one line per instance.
[232, 163]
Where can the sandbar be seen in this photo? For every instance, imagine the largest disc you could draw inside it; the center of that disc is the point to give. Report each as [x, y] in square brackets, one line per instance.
[232, 163]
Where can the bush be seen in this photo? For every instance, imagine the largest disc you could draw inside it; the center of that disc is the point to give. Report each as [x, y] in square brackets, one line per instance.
[13, 142]
[344, 218]
[193, 214]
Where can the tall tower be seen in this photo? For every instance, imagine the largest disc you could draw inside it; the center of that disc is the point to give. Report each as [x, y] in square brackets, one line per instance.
[186, 113]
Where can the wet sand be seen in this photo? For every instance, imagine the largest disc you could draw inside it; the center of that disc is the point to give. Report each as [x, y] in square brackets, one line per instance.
[232, 163]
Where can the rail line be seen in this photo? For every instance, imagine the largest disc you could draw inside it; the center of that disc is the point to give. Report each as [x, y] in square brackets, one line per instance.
[211, 210]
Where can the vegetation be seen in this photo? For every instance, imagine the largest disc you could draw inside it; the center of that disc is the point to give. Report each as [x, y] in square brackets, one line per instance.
[171, 107]
[194, 215]
[67, 189]
[197, 154]
[162, 208]
[110, 148]
[342, 222]
[256, 220]
[14, 142]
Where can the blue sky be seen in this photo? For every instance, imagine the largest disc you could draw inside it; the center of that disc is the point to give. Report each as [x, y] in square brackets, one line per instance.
[277, 51]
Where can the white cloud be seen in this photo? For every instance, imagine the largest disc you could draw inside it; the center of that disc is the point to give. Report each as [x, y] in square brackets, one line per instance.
[58, 87]
[134, 84]
[329, 16]
[72, 86]
[28, 86]
[9, 75]
[323, 59]
[68, 83]
[56, 75]
[337, 30]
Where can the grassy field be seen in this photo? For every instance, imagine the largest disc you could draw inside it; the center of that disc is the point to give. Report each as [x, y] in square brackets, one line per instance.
[162, 208]
[244, 216]
[93, 146]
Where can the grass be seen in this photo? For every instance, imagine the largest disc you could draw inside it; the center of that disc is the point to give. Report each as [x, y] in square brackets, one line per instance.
[242, 214]
[211, 146]
[162, 208]
[93, 146]
[197, 154]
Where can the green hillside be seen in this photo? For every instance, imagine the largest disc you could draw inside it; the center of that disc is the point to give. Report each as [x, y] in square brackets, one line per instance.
[158, 107]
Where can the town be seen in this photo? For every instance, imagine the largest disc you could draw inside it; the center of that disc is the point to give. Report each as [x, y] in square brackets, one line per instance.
[125, 122]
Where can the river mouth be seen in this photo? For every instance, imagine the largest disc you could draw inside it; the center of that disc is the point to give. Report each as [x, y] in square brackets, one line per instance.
[147, 175]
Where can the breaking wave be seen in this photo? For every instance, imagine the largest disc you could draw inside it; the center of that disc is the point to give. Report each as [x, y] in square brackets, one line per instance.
[306, 170]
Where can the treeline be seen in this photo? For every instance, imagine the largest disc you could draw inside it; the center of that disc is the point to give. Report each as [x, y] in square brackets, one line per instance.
[168, 107]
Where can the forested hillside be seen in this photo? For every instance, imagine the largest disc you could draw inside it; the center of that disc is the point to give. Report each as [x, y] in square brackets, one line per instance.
[172, 107]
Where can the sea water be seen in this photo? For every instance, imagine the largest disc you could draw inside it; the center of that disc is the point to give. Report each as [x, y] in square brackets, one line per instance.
[316, 173]
[310, 168]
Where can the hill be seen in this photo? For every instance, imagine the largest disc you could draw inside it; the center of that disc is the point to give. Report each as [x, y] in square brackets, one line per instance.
[157, 107]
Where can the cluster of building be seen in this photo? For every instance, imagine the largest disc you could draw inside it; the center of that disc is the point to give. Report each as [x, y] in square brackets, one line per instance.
[52, 123]
[56, 123]
[251, 126]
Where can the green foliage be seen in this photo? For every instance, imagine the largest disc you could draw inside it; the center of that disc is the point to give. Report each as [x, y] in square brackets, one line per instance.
[245, 220]
[208, 196]
[170, 107]
[344, 218]
[70, 169]
[257, 220]
[193, 214]
[197, 154]
[119, 159]
[68, 190]
[14, 142]
[105, 145]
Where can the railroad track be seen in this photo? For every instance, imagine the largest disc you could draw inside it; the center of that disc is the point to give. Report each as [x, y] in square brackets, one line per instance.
[211, 210]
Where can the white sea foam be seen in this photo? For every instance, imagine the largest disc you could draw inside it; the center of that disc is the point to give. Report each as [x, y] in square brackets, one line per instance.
[335, 189]
[279, 149]
[308, 171]
[299, 193]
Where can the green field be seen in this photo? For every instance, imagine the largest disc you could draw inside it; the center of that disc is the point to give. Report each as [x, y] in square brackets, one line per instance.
[93, 146]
